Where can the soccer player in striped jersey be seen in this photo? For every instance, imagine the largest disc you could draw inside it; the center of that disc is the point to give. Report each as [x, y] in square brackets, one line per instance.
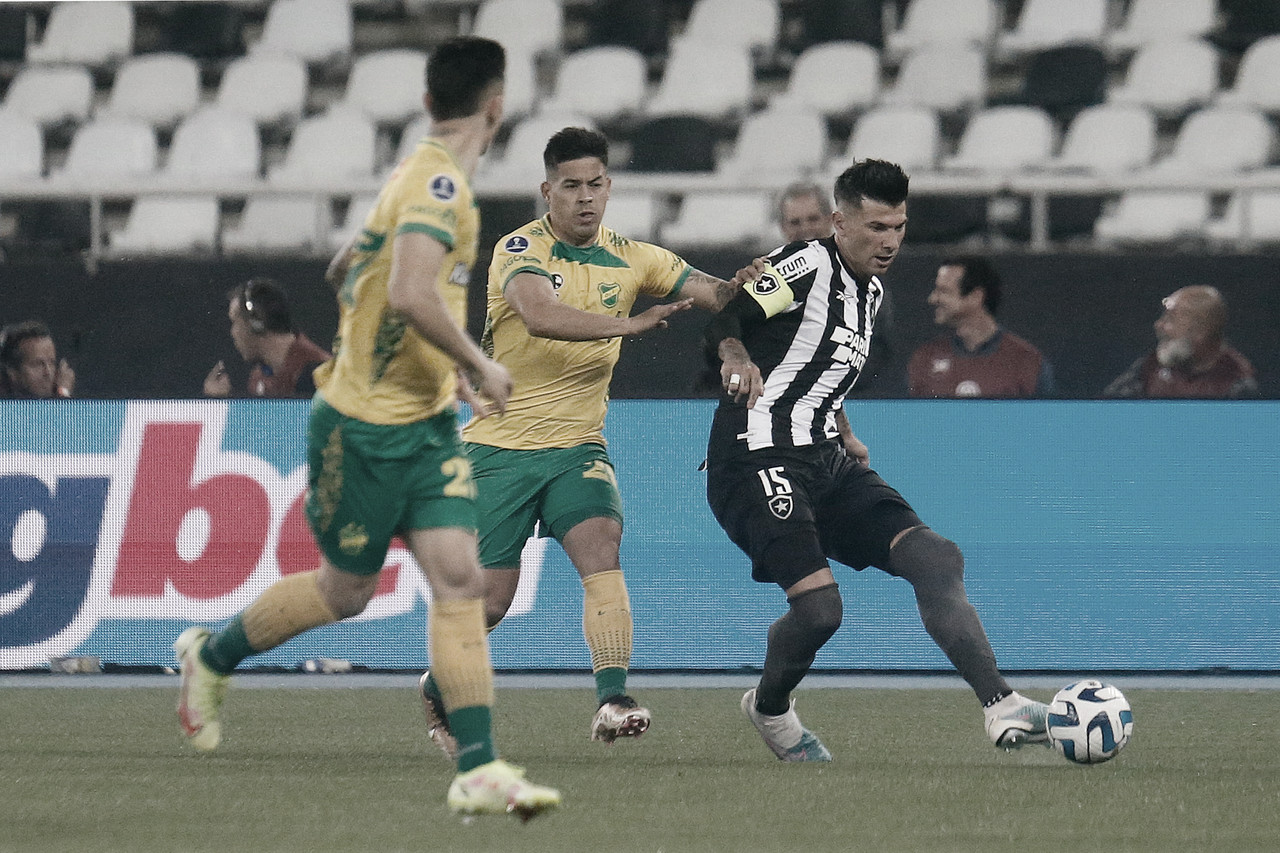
[561, 290]
[790, 483]
[383, 452]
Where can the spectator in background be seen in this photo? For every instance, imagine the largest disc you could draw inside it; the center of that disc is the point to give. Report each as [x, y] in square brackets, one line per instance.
[32, 369]
[978, 357]
[1191, 357]
[281, 357]
[804, 213]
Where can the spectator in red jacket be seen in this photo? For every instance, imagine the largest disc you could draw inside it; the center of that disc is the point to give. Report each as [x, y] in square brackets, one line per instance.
[1191, 357]
[281, 357]
[977, 357]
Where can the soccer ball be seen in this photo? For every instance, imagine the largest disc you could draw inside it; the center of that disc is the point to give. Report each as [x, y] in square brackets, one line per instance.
[1089, 722]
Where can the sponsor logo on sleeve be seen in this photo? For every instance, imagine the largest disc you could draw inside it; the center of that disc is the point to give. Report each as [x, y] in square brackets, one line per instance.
[442, 188]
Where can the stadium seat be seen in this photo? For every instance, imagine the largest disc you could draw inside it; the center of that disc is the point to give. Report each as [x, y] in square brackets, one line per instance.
[939, 21]
[519, 166]
[751, 24]
[1158, 20]
[1004, 139]
[1051, 23]
[520, 95]
[387, 85]
[908, 136]
[523, 27]
[1257, 82]
[776, 146]
[723, 219]
[834, 78]
[1170, 77]
[617, 77]
[412, 134]
[268, 88]
[94, 34]
[109, 149]
[212, 146]
[1251, 216]
[315, 31]
[677, 143]
[23, 144]
[1219, 140]
[280, 223]
[336, 145]
[1064, 80]
[51, 94]
[168, 225]
[714, 81]
[1153, 216]
[158, 88]
[947, 77]
[633, 214]
[1108, 139]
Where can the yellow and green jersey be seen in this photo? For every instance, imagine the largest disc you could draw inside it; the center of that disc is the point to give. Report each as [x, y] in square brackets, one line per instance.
[562, 387]
[383, 371]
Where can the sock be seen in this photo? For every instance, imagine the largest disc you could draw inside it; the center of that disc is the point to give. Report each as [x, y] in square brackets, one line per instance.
[606, 625]
[794, 640]
[285, 609]
[935, 568]
[460, 666]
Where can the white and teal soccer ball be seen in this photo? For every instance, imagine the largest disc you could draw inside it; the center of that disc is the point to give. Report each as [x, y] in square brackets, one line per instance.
[1089, 722]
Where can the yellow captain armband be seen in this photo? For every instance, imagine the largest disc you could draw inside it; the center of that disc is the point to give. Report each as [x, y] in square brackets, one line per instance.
[770, 291]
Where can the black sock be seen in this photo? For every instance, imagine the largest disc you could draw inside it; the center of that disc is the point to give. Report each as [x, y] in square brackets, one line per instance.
[794, 640]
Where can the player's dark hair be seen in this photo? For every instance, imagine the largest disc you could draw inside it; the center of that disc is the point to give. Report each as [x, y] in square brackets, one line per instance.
[459, 73]
[574, 143]
[264, 305]
[978, 272]
[12, 336]
[878, 180]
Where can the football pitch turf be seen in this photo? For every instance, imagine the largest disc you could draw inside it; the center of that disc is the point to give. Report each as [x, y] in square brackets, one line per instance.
[87, 769]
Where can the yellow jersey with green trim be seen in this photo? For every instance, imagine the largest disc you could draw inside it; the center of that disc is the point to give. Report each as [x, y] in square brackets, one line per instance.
[383, 371]
[562, 387]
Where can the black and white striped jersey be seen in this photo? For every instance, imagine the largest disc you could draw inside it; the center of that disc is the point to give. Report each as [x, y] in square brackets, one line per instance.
[807, 326]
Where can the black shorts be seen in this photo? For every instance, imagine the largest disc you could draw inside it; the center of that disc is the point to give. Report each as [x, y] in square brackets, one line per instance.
[790, 509]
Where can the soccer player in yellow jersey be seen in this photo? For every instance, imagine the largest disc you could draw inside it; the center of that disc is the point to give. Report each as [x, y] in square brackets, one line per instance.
[560, 295]
[384, 455]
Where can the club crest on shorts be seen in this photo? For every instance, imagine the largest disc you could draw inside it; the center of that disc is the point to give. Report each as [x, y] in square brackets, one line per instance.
[780, 506]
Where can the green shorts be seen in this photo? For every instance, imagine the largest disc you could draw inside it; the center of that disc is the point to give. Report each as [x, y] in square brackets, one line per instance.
[367, 482]
[558, 487]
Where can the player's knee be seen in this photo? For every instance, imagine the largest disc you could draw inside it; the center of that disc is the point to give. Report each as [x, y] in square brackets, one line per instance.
[928, 560]
[820, 610]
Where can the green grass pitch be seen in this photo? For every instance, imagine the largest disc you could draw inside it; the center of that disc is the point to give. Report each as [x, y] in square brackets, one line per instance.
[352, 770]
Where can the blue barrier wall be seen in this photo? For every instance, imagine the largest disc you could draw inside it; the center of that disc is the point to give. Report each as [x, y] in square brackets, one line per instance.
[1098, 535]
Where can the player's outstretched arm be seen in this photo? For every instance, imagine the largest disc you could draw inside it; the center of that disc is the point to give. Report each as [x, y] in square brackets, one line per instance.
[545, 316]
[708, 292]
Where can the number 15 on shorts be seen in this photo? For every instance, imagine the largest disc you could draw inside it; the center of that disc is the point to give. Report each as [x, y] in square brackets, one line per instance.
[777, 490]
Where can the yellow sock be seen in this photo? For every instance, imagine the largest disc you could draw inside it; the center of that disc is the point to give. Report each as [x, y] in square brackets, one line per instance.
[459, 653]
[288, 607]
[606, 620]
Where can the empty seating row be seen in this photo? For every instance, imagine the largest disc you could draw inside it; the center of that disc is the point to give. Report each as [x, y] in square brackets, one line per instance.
[301, 223]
